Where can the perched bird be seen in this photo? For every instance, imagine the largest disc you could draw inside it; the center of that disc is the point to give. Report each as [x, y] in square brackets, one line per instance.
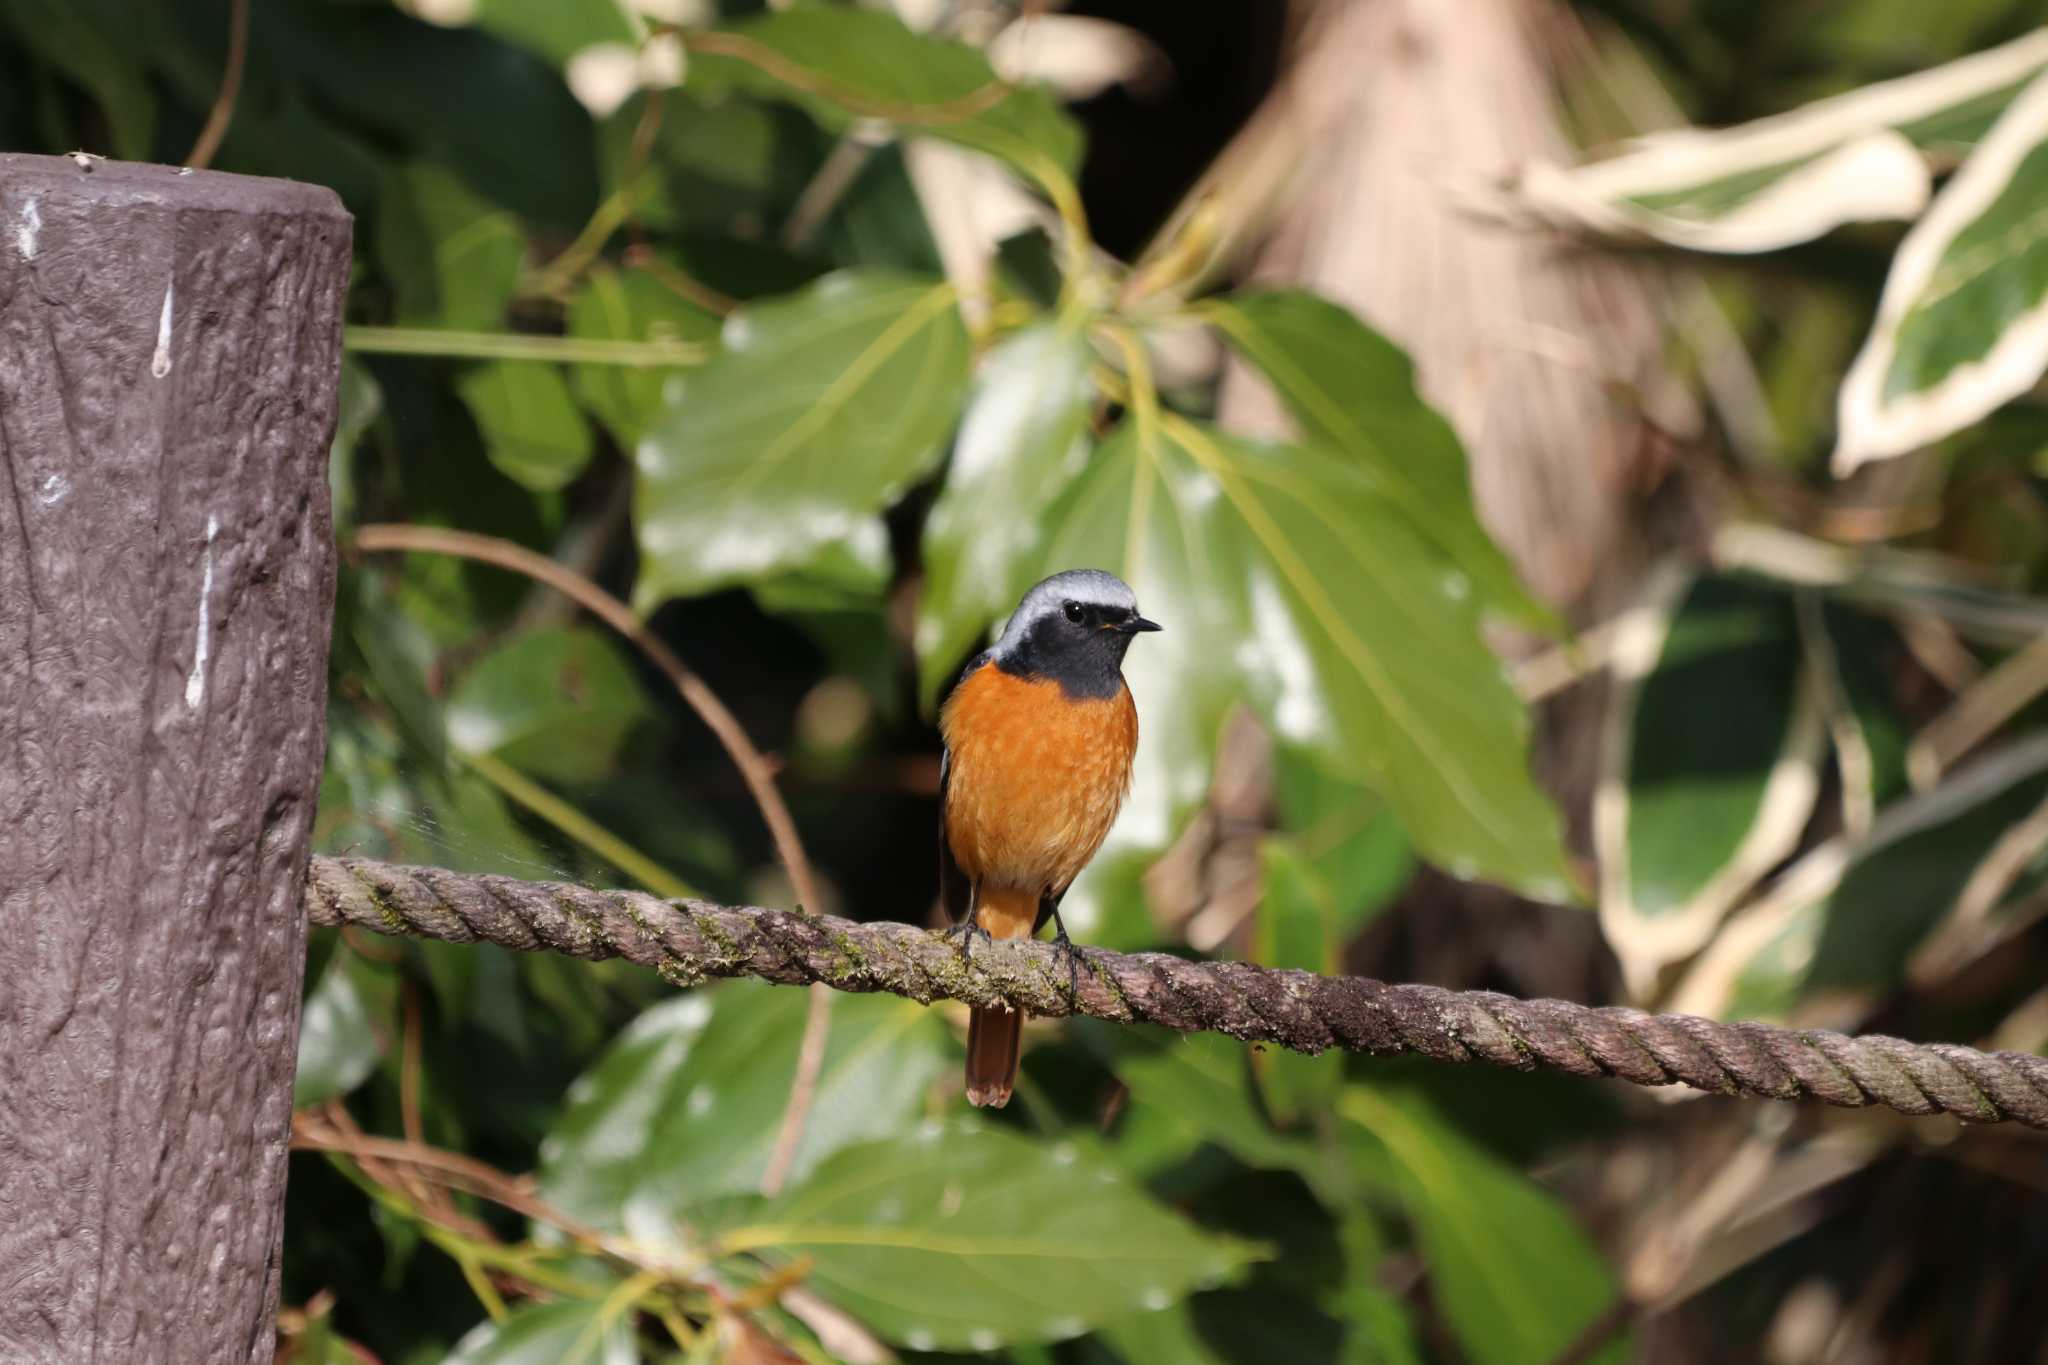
[1039, 734]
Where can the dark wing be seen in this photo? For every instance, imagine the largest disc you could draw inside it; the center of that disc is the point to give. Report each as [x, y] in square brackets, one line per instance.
[956, 892]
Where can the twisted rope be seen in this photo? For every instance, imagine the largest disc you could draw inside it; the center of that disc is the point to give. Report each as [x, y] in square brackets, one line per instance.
[689, 941]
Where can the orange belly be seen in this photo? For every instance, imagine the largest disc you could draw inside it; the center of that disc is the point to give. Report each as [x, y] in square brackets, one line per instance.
[1034, 781]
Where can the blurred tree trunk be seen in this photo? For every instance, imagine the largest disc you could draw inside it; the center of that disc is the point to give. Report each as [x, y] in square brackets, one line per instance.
[1545, 359]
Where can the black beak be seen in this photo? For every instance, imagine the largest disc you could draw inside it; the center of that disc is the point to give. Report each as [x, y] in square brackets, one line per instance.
[1138, 623]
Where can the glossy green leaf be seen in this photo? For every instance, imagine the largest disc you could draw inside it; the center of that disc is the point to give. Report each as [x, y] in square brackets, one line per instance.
[1023, 440]
[1514, 1276]
[338, 1042]
[1963, 324]
[685, 1106]
[822, 408]
[575, 1332]
[454, 257]
[1284, 577]
[960, 1236]
[1351, 389]
[556, 703]
[533, 431]
[631, 305]
[1712, 766]
[842, 63]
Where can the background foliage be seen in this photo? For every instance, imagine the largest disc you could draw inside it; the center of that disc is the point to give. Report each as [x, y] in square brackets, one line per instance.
[682, 308]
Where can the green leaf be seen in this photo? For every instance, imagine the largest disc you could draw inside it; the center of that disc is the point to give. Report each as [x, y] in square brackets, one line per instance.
[358, 404]
[338, 1043]
[965, 1237]
[533, 431]
[1200, 1083]
[557, 703]
[558, 29]
[575, 1332]
[728, 166]
[822, 408]
[1353, 390]
[1963, 324]
[843, 64]
[1284, 576]
[631, 305]
[1514, 1275]
[1712, 766]
[1777, 181]
[685, 1106]
[1844, 921]
[92, 56]
[1023, 440]
[1300, 925]
[453, 256]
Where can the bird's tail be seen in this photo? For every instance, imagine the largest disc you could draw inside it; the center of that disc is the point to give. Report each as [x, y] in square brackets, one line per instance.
[992, 1034]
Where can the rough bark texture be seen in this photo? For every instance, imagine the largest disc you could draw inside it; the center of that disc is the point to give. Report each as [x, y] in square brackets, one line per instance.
[169, 351]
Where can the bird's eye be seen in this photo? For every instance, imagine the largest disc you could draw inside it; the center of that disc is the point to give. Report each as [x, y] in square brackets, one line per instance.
[1074, 612]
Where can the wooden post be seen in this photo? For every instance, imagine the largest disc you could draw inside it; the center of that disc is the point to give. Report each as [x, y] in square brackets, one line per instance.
[169, 353]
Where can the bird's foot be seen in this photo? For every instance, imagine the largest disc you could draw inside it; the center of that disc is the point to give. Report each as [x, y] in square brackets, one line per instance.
[1066, 950]
[967, 929]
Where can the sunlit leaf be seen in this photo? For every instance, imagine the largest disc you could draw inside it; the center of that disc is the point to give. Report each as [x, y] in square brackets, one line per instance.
[631, 305]
[338, 1042]
[583, 1331]
[1855, 157]
[1284, 577]
[686, 1105]
[532, 429]
[557, 703]
[962, 1236]
[1515, 1277]
[843, 63]
[1351, 389]
[1711, 764]
[822, 408]
[1023, 440]
[1963, 323]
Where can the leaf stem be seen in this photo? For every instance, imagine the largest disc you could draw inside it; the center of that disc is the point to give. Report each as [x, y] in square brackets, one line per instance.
[459, 345]
[577, 826]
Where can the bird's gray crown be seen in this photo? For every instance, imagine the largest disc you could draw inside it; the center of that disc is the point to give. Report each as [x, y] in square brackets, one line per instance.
[1089, 587]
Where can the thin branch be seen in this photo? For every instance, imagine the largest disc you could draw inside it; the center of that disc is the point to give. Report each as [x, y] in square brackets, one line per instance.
[223, 111]
[753, 765]
[690, 941]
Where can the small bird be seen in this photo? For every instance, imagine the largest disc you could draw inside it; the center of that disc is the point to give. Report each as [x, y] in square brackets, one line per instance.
[1039, 733]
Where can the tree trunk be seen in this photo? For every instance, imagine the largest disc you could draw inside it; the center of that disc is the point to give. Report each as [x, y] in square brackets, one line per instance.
[169, 352]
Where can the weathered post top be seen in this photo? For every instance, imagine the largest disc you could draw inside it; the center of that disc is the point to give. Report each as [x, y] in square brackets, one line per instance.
[169, 353]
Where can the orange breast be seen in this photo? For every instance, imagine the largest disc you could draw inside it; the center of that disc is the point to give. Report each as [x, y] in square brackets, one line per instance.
[1035, 777]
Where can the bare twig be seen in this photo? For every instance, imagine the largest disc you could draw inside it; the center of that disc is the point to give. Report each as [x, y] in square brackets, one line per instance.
[223, 111]
[753, 765]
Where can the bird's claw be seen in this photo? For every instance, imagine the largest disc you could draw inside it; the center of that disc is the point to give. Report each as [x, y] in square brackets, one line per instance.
[967, 929]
